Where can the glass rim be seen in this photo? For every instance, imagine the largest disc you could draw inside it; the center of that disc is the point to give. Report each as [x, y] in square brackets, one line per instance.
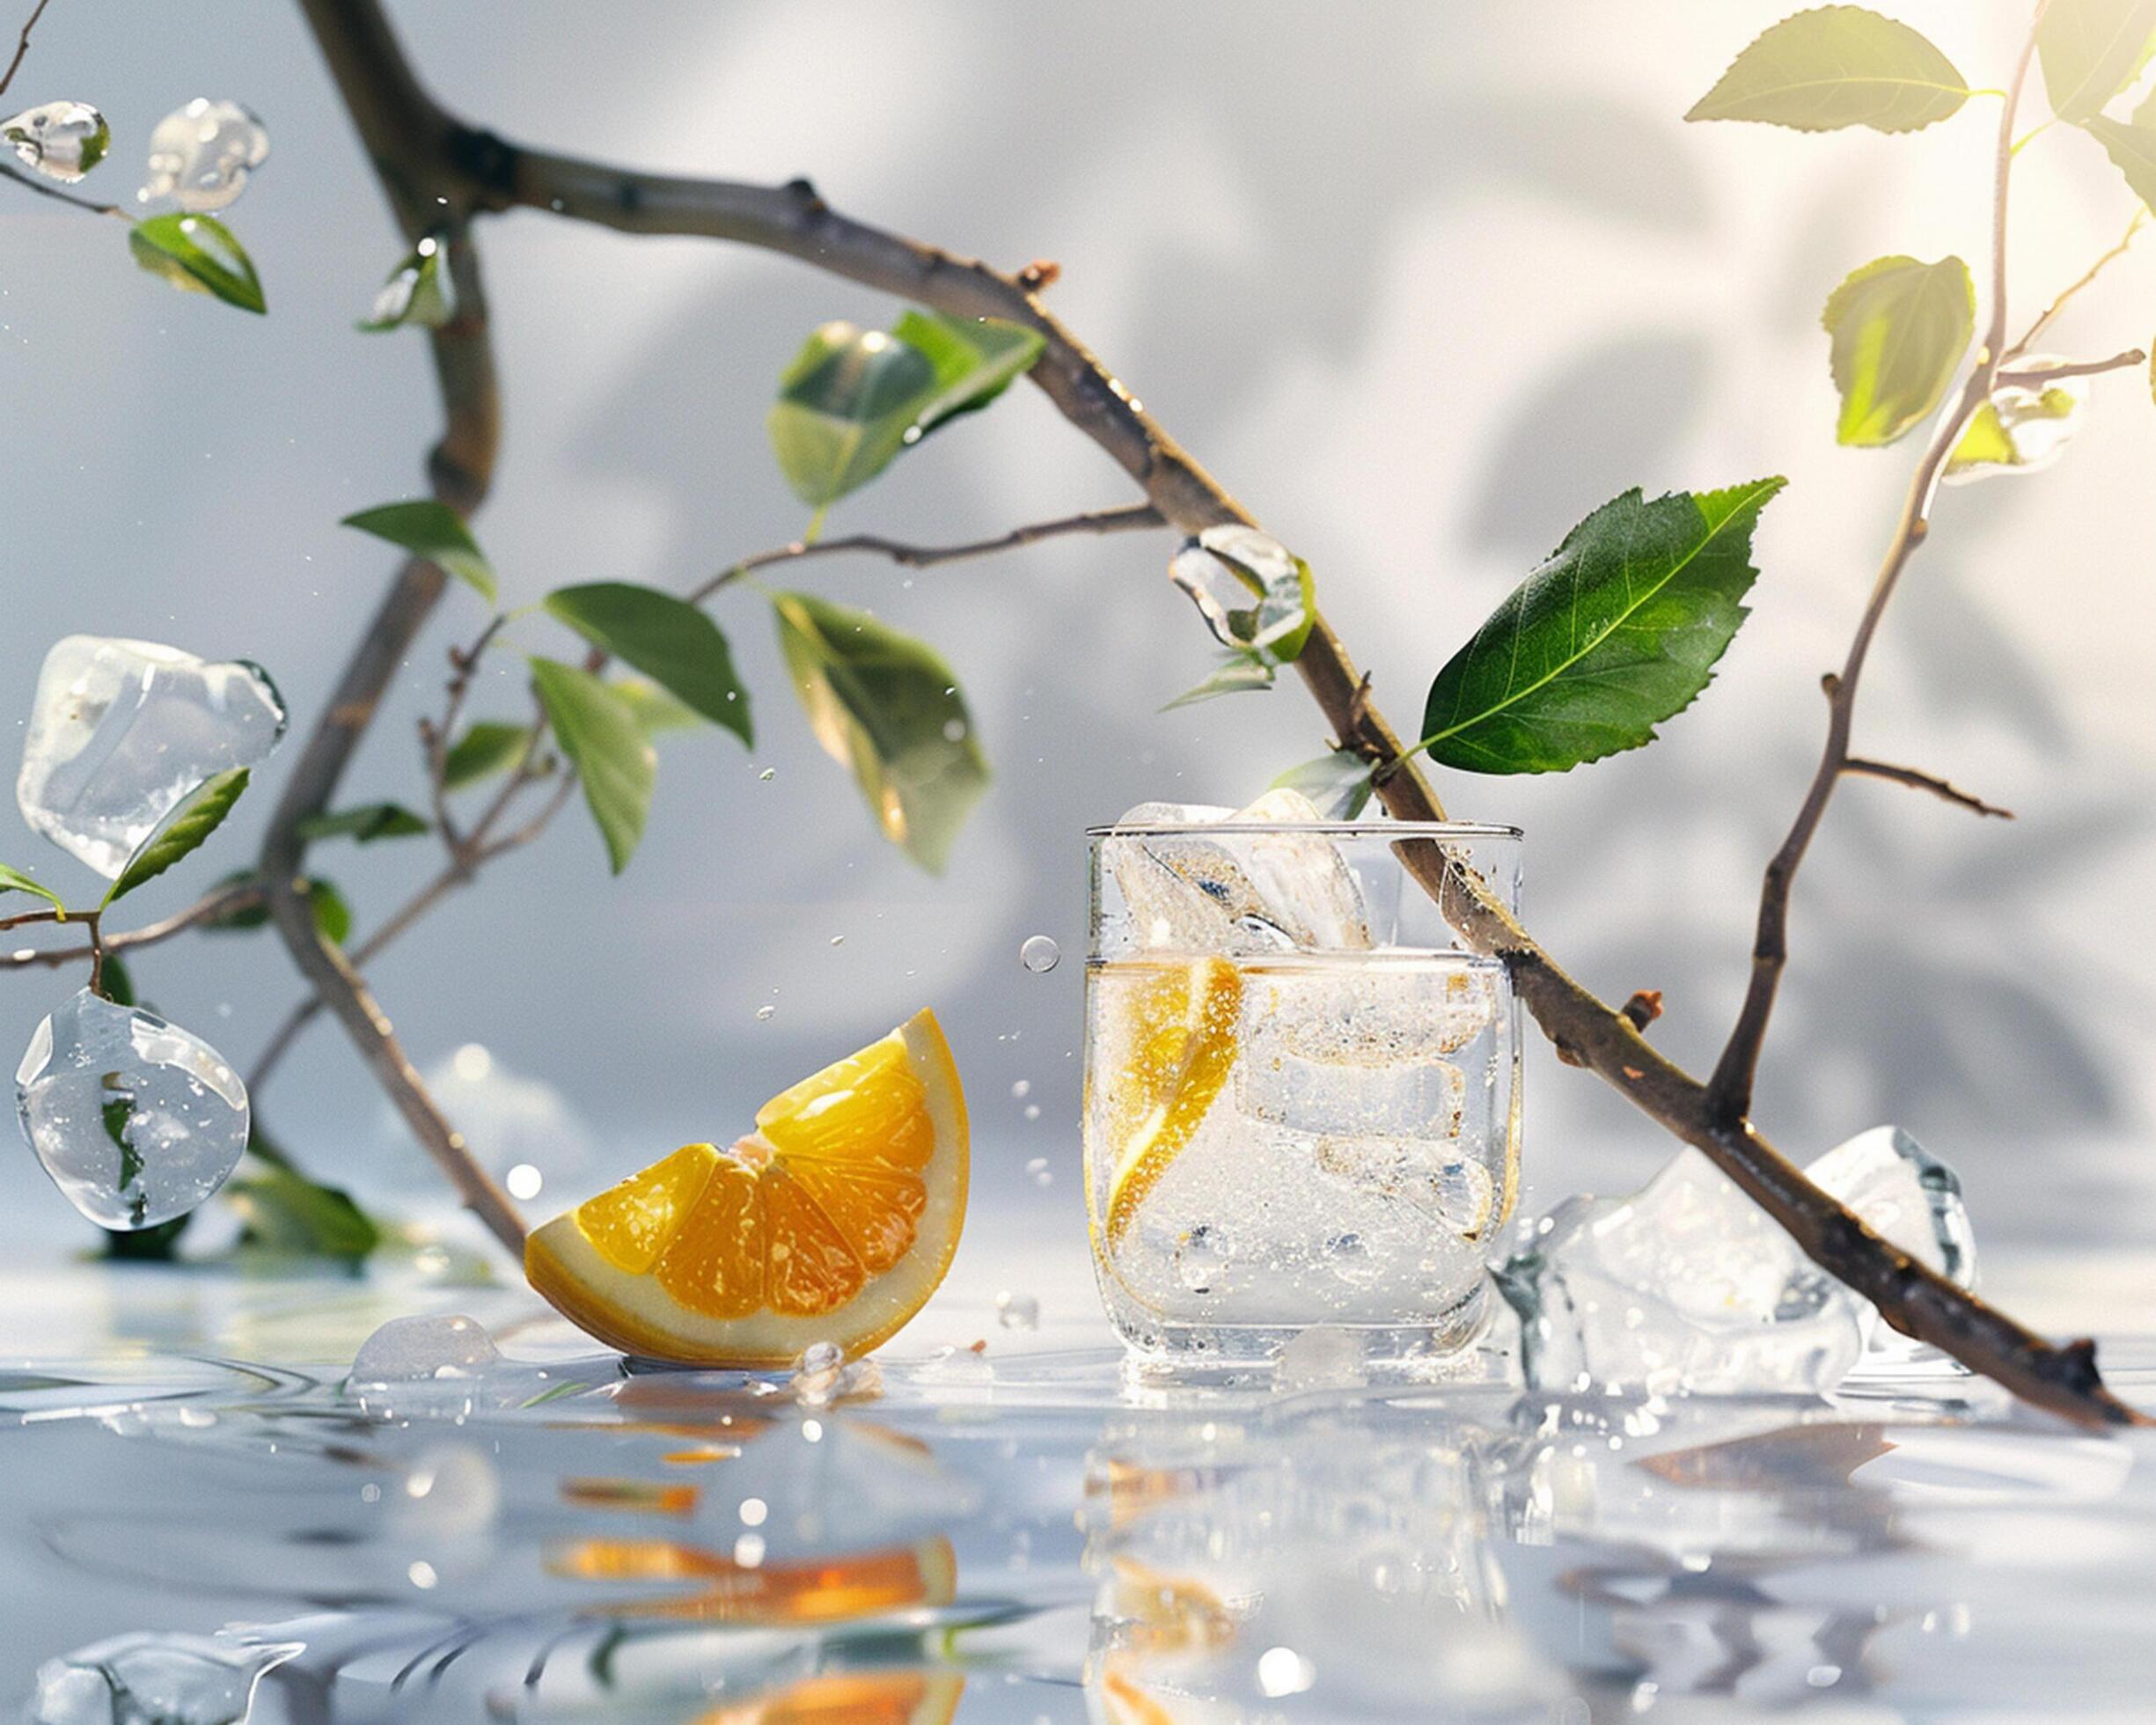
[1333, 829]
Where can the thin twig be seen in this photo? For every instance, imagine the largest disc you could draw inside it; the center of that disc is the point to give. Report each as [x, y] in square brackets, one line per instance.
[2049, 313]
[212, 906]
[22, 46]
[1930, 781]
[1128, 518]
[1730, 1090]
[72, 200]
[2037, 377]
[439, 735]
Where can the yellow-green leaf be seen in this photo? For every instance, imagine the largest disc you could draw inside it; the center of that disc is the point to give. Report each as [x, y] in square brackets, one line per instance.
[1837, 66]
[1898, 329]
[2091, 51]
[14, 880]
[198, 253]
[433, 531]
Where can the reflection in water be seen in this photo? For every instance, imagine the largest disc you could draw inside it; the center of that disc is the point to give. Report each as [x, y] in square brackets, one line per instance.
[571, 1541]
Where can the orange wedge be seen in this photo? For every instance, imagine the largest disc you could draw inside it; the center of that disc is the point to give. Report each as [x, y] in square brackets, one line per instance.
[851, 1697]
[1176, 1050]
[833, 1220]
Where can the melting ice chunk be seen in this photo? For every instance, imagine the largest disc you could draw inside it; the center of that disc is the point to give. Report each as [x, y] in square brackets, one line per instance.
[409, 1350]
[62, 141]
[136, 1120]
[167, 1679]
[124, 732]
[1237, 893]
[1690, 1286]
[201, 154]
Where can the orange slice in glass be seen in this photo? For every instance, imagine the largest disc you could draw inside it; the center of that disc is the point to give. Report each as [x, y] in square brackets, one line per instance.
[833, 1220]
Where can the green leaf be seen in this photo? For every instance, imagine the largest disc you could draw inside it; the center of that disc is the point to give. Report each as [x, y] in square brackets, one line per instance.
[332, 915]
[975, 359]
[365, 824]
[1897, 330]
[599, 734]
[118, 1115]
[433, 531]
[656, 711]
[146, 1245]
[118, 982]
[2091, 51]
[1239, 673]
[198, 817]
[667, 639]
[14, 880]
[1340, 783]
[1833, 67]
[418, 292]
[282, 1210]
[888, 707]
[1618, 631]
[487, 747]
[2132, 147]
[198, 253]
[844, 406]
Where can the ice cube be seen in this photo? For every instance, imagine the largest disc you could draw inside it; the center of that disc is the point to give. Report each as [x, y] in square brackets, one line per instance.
[1686, 1287]
[165, 1679]
[1690, 1286]
[201, 155]
[62, 141]
[1907, 1194]
[407, 1350]
[124, 732]
[136, 1120]
[1237, 893]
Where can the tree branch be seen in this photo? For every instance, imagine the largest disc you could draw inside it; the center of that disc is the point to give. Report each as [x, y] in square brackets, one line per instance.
[400, 129]
[225, 902]
[22, 46]
[793, 220]
[2050, 312]
[1917, 781]
[2037, 377]
[1128, 518]
[73, 200]
[1730, 1090]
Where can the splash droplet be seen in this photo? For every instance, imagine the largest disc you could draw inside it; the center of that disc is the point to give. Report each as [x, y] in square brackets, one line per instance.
[201, 155]
[765, 1013]
[1040, 954]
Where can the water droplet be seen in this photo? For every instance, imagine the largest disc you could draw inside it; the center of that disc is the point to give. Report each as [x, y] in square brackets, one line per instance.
[524, 1181]
[1040, 954]
[201, 155]
[768, 775]
[1023, 1088]
[954, 731]
[1017, 1311]
[749, 1550]
[754, 1511]
[765, 1013]
[1283, 1671]
[62, 141]
[1032, 1110]
[838, 939]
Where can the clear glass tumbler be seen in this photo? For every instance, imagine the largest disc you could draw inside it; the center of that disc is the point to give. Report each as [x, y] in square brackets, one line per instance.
[1301, 1093]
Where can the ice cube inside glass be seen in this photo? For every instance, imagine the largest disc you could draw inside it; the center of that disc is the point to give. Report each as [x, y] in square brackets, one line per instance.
[1301, 1097]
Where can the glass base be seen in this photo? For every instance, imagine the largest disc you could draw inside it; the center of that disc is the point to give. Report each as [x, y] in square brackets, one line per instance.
[1234, 1356]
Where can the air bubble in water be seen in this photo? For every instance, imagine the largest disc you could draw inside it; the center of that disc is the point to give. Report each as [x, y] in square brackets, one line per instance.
[1040, 954]
[62, 141]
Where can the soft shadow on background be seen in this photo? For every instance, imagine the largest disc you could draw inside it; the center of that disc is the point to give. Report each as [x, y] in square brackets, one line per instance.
[1421, 291]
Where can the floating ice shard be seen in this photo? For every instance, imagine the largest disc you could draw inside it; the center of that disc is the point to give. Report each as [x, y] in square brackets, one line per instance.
[1907, 1194]
[201, 155]
[1689, 1286]
[1237, 893]
[410, 1350]
[124, 732]
[62, 141]
[136, 1120]
[167, 1679]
